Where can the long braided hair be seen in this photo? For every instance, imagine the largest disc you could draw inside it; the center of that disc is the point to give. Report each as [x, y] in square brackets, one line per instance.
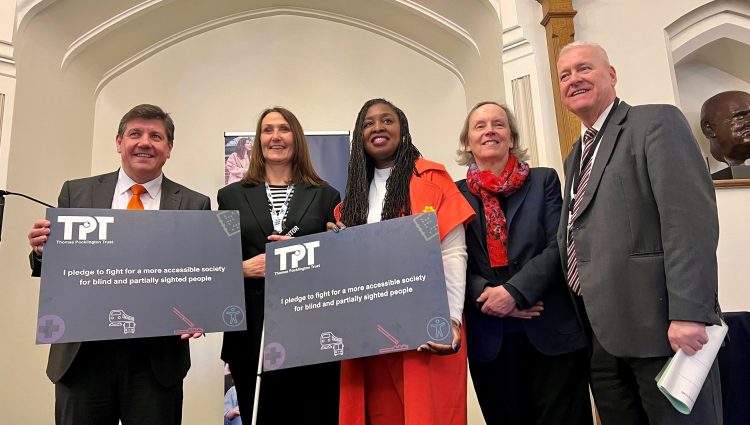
[355, 207]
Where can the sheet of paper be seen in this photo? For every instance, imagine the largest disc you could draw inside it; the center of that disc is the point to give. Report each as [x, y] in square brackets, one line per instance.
[683, 376]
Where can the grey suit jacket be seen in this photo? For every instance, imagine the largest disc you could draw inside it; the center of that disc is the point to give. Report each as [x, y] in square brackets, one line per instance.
[646, 232]
[170, 356]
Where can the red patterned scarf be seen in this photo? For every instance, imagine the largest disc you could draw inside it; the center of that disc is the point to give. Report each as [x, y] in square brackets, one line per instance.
[489, 187]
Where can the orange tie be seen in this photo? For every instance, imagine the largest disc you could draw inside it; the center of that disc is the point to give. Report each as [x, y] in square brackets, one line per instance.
[135, 200]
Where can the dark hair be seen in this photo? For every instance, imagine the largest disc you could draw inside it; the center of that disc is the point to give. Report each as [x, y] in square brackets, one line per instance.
[302, 168]
[147, 112]
[239, 148]
[362, 168]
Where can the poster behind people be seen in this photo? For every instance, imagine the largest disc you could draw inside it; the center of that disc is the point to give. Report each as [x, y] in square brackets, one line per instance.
[329, 151]
[366, 290]
[122, 274]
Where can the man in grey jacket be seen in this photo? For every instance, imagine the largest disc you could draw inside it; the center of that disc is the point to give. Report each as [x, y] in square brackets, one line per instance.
[137, 381]
[638, 242]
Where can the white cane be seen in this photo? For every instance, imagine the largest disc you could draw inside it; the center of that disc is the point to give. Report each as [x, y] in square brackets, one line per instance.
[260, 353]
[257, 379]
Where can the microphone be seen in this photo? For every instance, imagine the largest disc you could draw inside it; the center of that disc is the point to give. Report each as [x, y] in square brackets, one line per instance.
[2, 205]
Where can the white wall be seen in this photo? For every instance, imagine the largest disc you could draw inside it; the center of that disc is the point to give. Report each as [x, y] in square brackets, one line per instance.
[526, 54]
[734, 274]
[322, 71]
[7, 16]
[633, 34]
[7, 83]
[7, 88]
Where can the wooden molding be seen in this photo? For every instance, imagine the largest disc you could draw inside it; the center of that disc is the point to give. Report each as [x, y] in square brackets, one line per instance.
[558, 23]
[722, 184]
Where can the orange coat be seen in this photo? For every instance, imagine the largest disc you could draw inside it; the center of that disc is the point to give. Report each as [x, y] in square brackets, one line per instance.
[412, 388]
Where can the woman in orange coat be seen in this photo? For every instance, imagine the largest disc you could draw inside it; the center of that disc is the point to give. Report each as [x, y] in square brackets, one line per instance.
[388, 179]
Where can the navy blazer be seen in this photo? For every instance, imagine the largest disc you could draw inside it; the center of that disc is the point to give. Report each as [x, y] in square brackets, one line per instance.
[532, 216]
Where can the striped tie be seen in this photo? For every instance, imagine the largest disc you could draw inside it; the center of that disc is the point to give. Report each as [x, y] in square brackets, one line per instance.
[574, 280]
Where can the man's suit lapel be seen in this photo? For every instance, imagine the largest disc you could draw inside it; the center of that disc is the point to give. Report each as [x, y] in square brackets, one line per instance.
[170, 195]
[104, 191]
[606, 147]
[573, 160]
[301, 200]
[258, 202]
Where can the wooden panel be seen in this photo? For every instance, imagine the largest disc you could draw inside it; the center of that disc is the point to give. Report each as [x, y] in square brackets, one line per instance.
[558, 23]
[732, 183]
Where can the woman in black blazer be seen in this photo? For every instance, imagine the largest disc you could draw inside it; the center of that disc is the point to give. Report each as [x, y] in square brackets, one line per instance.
[527, 350]
[280, 192]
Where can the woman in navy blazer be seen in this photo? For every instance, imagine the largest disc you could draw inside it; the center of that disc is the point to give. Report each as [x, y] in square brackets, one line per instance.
[527, 350]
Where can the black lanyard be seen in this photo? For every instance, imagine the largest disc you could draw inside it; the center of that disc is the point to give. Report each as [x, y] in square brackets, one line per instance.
[582, 164]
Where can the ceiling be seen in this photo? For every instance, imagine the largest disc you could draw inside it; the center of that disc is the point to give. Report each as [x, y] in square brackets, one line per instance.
[105, 38]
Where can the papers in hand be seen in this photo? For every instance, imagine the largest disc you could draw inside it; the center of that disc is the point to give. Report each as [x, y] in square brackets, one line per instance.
[682, 378]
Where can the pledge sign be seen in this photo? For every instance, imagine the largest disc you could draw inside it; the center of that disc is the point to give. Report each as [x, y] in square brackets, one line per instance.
[331, 297]
[117, 274]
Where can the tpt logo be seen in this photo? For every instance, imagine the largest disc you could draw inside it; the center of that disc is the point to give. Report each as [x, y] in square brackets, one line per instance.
[299, 252]
[85, 225]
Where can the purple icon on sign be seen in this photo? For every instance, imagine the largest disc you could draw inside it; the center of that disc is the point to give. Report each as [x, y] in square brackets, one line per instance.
[273, 356]
[233, 316]
[49, 328]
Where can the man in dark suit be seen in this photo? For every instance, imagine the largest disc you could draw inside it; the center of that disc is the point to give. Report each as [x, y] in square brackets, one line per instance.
[638, 241]
[138, 381]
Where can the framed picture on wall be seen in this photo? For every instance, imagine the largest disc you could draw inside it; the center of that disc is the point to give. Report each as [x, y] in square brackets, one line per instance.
[329, 151]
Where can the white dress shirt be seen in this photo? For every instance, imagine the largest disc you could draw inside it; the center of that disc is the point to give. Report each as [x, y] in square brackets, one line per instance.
[151, 199]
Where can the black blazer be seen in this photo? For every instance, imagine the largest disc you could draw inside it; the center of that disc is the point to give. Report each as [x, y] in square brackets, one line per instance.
[309, 209]
[532, 216]
[170, 356]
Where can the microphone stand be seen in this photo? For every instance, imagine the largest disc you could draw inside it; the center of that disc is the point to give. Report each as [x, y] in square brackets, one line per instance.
[2, 204]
